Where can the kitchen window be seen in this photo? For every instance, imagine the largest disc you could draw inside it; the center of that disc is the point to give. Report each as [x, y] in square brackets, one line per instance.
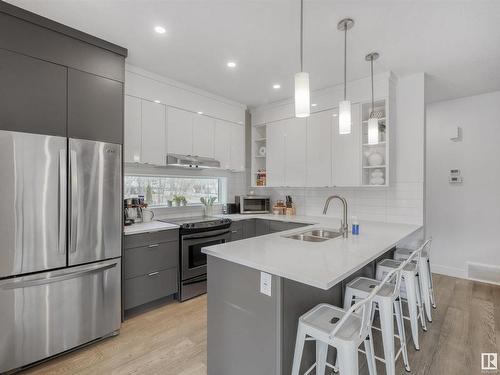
[159, 190]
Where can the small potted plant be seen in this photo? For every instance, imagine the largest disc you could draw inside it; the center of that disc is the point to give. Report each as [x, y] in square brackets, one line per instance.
[177, 200]
[184, 201]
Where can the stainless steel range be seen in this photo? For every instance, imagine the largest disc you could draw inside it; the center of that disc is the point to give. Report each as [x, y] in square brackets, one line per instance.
[196, 233]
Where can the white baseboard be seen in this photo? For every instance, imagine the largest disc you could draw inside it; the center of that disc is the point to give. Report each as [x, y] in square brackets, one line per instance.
[460, 273]
[449, 271]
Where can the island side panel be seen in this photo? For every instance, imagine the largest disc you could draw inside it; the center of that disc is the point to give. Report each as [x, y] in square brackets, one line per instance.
[243, 324]
[297, 299]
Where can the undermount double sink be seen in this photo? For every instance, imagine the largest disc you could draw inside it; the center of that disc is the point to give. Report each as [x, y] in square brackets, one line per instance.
[315, 235]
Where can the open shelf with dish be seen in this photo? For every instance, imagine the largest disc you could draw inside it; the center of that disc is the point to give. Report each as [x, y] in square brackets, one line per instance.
[258, 156]
[375, 155]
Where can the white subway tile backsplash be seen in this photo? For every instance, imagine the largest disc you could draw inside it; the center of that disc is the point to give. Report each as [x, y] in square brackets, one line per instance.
[401, 202]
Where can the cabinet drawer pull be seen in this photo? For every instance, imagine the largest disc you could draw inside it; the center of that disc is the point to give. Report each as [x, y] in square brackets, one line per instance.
[234, 231]
[154, 245]
[153, 273]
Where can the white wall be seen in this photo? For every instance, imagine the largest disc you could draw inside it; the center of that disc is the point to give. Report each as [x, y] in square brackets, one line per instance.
[402, 201]
[464, 219]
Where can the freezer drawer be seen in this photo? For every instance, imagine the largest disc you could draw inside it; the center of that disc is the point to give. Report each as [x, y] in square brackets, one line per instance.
[47, 313]
[33, 192]
[95, 201]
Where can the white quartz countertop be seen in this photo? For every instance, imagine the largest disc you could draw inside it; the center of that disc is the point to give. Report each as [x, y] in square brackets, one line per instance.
[152, 226]
[318, 264]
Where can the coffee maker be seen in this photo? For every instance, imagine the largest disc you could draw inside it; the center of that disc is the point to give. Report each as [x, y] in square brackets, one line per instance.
[132, 210]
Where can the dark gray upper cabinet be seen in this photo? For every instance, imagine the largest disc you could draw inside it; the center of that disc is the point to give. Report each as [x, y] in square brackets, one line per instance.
[32, 39]
[32, 95]
[95, 107]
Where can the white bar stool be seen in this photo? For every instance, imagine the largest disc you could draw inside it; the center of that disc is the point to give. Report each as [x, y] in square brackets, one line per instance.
[344, 330]
[426, 275]
[410, 289]
[388, 303]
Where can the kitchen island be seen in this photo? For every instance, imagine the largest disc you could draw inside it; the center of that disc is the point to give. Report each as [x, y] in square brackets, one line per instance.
[259, 287]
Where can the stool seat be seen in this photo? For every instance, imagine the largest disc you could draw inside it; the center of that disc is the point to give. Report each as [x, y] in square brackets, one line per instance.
[366, 285]
[325, 317]
[402, 253]
[392, 263]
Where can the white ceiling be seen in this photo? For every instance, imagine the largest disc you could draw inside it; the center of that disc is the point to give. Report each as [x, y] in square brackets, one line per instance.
[456, 42]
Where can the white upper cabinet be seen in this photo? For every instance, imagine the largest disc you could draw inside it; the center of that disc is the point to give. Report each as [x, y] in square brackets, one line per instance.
[275, 154]
[203, 136]
[319, 149]
[153, 133]
[222, 144]
[133, 131]
[179, 131]
[295, 152]
[237, 147]
[346, 152]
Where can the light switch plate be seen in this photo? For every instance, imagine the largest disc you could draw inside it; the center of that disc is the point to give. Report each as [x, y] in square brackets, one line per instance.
[266, 280]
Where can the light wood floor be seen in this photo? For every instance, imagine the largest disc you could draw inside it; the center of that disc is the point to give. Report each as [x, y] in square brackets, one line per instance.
[172, 338]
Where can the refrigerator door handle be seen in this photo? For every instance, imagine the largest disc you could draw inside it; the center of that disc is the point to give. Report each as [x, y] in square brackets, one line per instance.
[73, 167]
[53, 279]
[62, 201]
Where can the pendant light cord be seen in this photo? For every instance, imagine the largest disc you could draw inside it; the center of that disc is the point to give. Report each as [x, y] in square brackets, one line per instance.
[301, 35]
[373, 104]
[345, 61]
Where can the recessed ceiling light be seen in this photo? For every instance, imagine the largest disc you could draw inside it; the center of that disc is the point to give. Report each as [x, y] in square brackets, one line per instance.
[157, 101]
[160, 29]
[313, 105]
[276, 86]
[335, 115]
[200, 112]
[231, 64]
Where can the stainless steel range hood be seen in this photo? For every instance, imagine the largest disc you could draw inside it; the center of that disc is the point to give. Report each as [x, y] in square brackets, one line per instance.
[190, 161]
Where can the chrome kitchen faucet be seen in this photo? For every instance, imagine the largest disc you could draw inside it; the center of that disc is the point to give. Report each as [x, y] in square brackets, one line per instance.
[344, 227]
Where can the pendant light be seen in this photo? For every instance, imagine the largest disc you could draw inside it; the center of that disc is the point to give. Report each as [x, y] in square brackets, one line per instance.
[345, 105]
[302, 95]
[373, 120]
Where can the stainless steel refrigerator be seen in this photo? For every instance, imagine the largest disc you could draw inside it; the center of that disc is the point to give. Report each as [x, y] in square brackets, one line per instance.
[60, 245]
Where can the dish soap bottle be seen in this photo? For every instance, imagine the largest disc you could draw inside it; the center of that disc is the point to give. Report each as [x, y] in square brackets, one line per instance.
[355, 226]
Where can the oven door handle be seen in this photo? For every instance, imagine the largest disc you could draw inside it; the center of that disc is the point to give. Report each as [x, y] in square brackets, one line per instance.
[197, 280]
[204, 235]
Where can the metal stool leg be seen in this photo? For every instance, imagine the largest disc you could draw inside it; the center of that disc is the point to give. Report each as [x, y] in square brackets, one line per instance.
[321, 354]
[411, 295]
[387, 327]
[401, 332]
[348, 360]
[299, 347]
[370, 355]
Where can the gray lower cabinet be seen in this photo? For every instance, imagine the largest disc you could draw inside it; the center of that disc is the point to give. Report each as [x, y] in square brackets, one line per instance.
[261, 227]
[95, 107]
[150, 267]
[249, 228]
[32, 95]
[236, 231]
[150, 287]
[258, 227]
[280, 226]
